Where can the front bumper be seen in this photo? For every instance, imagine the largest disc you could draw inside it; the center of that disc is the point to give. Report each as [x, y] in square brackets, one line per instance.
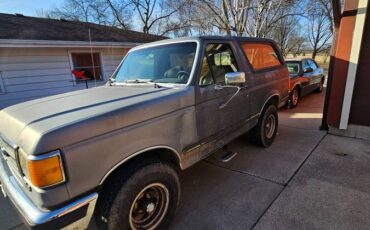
[76, 215]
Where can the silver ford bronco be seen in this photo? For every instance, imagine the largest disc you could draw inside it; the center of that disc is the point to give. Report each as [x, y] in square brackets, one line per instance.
[68, 161]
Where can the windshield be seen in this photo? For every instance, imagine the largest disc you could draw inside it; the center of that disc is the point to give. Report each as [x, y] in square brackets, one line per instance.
[293, 67]
[170, 63]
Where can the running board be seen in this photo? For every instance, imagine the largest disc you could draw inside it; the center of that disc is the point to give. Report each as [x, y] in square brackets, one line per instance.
[228, 156]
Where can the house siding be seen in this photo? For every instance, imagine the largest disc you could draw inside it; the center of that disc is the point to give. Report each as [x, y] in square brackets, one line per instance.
[30, 73]
[360, 107]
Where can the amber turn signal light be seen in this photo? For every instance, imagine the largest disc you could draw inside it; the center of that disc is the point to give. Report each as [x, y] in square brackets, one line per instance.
[45, 172]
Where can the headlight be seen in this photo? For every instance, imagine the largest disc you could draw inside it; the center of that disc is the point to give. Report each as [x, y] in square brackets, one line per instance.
[43, 170]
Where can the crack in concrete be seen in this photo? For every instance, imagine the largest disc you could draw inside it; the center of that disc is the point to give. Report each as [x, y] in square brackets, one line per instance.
[245, 173]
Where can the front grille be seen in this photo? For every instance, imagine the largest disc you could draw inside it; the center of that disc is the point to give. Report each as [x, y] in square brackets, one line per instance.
[9, 149]
[9, 154]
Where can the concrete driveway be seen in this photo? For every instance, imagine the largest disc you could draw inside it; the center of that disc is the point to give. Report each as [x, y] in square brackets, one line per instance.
[305, 180]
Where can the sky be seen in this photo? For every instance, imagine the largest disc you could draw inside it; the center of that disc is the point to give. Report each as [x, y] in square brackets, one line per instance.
[26, 7]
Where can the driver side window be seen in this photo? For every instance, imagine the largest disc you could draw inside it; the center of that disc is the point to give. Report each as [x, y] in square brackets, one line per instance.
[217, 61]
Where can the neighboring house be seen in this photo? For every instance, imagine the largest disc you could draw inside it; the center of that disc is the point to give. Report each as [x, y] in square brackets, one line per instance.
[37, 55]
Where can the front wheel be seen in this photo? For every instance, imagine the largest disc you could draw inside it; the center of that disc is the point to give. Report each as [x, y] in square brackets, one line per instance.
[146, 200]
[263, 134]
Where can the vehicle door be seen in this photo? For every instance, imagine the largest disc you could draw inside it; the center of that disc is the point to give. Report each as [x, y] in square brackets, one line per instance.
[317, 73]
[295, 70]
[307, 77]
[215, 112]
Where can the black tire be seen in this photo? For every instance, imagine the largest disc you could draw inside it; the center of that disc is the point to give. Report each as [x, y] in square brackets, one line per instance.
[261, 134]
[294, 98]
[155, 189]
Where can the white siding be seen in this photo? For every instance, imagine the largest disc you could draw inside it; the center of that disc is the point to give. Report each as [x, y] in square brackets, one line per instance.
[30, 73]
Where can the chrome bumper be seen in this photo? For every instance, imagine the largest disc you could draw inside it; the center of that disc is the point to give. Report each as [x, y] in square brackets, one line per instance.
[37, 217]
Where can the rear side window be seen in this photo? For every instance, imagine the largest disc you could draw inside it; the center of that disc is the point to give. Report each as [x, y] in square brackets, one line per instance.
[293, 67]
[261, 55]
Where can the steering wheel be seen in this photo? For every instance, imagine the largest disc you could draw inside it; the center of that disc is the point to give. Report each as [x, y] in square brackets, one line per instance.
[182, 75]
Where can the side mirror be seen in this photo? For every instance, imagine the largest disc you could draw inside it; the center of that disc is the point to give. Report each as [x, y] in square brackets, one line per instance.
[235, 78]
[308, 70]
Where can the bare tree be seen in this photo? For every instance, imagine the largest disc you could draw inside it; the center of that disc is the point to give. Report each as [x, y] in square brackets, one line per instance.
[178, 24]
[319, 31]
[287, 36]
[100, 13]
[201, 18]
[326, 53]
[227, 16]
[300, 46]
[265, 14]
[151, 13]
[328, 10]
[95, 11]
[77, 10]
[243, 17]
[257, 18]
[120, 12]
[43, 13]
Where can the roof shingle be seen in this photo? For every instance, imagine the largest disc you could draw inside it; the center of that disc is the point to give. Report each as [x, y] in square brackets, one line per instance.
[32, 28]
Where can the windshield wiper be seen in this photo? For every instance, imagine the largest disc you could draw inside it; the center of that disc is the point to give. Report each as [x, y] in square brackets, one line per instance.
[139, 81]
[147, 81]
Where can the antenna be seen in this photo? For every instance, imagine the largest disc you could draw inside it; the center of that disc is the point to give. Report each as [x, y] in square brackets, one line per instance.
[92, 58]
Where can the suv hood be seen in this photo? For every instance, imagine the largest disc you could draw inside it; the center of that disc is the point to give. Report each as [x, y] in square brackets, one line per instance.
[53, 122]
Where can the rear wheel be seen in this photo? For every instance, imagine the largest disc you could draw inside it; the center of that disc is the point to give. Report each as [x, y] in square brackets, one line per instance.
[263, 134]
[148, 199]
[321, 87]
[294, 98]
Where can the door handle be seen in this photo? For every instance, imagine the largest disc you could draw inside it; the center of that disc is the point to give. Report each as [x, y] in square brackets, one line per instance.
[231, 98]
[219, 87]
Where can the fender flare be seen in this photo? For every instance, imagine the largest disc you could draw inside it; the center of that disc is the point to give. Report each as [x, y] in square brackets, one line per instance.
[268, 99]
[137, 154]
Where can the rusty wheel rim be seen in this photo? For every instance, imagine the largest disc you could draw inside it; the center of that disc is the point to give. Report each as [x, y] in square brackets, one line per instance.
[270, 126]
[295, 97]
[149, 207]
